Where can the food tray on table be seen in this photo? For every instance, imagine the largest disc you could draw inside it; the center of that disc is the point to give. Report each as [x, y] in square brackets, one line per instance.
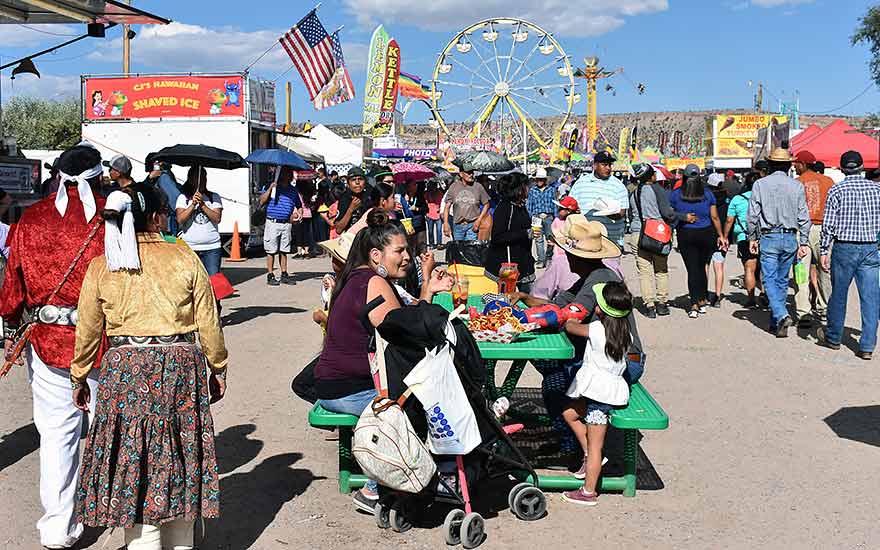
[499, 326]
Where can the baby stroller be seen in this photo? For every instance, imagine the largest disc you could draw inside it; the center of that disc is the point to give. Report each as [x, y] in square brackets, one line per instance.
[409, 332]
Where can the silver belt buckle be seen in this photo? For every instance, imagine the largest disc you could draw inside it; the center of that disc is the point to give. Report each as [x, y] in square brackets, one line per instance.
[49, 314]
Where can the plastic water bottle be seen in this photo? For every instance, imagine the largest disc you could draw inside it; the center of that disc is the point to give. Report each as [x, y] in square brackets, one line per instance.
[801, 272]
[500, 406]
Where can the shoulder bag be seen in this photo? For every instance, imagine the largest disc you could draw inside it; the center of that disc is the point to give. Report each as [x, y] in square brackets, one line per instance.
[655, 235]
[385, 444]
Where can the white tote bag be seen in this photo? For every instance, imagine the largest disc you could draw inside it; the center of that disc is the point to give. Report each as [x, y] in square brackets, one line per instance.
[452, 426]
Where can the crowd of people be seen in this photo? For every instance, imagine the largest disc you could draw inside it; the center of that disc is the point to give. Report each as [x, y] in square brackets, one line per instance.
[128, 322]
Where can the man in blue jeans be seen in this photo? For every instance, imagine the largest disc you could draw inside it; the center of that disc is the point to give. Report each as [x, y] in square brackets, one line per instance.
[469, 204]
[777, 220]
[541, 205]
[850, 231]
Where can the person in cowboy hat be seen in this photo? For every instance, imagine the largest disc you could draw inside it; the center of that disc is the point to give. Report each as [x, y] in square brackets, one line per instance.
[586, 245]
[541, 204]
[469, 204]
[51, 233]
[778, 225]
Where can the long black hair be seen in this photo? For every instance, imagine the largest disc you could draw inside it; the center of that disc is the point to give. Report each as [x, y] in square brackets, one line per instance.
[617, 335]
[749, 182]
[511, 187]
[693, 189]
[378, 234]
[196, 176]
[146, 200]
[378, 193]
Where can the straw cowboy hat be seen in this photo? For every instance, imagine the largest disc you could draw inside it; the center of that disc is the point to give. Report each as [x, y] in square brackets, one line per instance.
[585, 239]
[779, 155]
[339, 247]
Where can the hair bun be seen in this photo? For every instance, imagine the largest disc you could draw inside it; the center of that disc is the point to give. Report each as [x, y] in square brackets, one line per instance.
[377, 218]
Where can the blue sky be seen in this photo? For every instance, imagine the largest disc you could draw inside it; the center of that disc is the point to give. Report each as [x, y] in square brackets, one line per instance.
[690, 54]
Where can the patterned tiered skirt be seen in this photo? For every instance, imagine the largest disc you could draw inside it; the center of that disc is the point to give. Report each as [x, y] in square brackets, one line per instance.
[150, 455]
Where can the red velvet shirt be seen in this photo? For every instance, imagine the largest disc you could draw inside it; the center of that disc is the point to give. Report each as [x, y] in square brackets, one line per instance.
[42, 247]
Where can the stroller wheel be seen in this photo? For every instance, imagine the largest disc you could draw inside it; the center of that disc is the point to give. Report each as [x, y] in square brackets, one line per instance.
[473, 530]
[452, 527]
[382, 514]
[529, 504]
[399, 523]
[512, 494]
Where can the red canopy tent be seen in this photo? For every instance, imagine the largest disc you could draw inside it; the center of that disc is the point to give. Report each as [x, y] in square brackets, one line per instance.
[809, 132]
[836, 139]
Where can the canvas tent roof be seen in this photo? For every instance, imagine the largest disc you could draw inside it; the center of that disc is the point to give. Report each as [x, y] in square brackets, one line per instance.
[305, 147]
[808, 132]
[75, 11]
[334, 147]
[837, 138]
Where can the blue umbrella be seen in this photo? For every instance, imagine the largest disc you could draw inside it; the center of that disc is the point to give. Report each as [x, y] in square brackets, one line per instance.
[278, 157]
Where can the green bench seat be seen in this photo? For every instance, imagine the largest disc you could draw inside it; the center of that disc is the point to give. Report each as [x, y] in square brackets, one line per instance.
[642, 413]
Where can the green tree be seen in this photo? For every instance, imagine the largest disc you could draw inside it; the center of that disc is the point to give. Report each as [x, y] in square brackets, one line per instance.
[42, 123]
[868, 32]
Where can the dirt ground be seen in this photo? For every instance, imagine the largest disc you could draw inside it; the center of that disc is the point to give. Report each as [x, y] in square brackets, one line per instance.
[772, 443]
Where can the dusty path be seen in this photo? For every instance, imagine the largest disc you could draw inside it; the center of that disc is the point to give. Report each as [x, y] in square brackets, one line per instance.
[752, 457]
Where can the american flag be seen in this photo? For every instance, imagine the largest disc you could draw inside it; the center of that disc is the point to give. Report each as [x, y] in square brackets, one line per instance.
[312, 51]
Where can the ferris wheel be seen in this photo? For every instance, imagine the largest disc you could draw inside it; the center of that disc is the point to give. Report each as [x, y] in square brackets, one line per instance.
[504, 84]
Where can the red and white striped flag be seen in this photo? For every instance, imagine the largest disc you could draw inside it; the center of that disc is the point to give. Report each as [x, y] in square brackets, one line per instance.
[311, 50]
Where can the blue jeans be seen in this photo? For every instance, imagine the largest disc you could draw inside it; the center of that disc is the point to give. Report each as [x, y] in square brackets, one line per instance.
[435, 231]
[540, 242]
[352, 404]
[777, 256]
[211, 259]
[463, 232]
[862, 262]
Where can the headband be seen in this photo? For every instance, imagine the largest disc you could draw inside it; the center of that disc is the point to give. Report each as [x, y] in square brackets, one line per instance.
[121, 246]
[603, 305]
[83, 189]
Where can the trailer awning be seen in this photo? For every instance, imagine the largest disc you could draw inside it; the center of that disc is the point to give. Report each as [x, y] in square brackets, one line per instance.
[75, 11]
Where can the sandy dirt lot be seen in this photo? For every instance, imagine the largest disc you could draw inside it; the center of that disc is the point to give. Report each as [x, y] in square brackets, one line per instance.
[772, 443]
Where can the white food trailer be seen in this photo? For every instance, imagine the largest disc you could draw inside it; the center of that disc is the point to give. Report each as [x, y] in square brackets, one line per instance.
[138, 114]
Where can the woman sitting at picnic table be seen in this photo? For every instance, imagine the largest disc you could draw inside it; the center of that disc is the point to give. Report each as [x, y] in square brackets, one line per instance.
[585, 244]
[362, 297]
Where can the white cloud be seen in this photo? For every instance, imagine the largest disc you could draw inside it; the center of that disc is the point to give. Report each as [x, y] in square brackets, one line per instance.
[48, 86]
[777, 3]
[564, 17]
[182, 47]
[25, 36]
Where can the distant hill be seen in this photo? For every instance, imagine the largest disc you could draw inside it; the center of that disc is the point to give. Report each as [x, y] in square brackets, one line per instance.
[691, 123]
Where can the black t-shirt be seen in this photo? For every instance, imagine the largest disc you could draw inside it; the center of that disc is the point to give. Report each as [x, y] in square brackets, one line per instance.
[344, 202]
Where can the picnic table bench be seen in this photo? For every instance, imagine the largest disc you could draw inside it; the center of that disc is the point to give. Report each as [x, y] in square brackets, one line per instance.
[642, 413]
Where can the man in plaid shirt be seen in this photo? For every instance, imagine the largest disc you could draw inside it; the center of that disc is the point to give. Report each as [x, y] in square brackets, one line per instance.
[540, 205]
[852, 224]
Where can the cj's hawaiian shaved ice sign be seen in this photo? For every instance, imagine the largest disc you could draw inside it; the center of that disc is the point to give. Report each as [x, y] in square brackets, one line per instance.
[156, 97]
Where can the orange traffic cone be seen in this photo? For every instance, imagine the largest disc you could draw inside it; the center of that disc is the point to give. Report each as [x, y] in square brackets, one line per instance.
[235, 253]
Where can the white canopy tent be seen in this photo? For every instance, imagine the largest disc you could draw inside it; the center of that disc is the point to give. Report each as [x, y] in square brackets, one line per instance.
[337, 153]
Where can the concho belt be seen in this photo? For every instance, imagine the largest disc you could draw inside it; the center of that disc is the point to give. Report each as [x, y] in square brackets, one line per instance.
[64, 316]
[118, 341]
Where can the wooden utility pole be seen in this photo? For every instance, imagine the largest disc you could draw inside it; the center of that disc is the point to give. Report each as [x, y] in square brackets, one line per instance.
[126, 46]
[287, 119]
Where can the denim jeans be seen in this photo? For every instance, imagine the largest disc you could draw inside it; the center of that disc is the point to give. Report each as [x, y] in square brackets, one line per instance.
[541, 242]
[862, 262]
[557, 376]
[463, 232]
[352, 404]
[777, 255]
[211, 259]
[435, 231]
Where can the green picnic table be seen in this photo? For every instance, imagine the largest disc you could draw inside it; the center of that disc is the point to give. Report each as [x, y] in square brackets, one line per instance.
[642, 412]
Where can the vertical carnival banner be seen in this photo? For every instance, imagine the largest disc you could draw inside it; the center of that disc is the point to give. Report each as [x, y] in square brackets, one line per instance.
[389, 90]
[375, 78]
[622, 144]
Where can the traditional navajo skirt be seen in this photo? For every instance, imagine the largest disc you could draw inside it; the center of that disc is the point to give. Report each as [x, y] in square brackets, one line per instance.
[150, 455]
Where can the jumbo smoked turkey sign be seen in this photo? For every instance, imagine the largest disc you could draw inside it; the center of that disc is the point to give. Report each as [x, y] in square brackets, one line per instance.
[163, 96]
